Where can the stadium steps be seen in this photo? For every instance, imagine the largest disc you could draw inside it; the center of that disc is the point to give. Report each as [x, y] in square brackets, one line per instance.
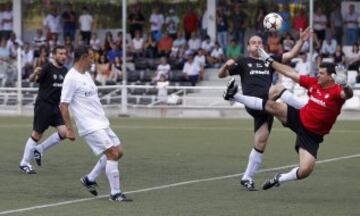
[206, 97]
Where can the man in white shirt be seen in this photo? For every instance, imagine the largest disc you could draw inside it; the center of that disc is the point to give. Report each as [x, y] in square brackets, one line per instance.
[27, 59]
[52, 23]
[85, 21]
[328, 47]
[79, 93]
[194, 43]
[207, 45]
[216, 57]
[191, 70]
[156, 22]
[137, 45]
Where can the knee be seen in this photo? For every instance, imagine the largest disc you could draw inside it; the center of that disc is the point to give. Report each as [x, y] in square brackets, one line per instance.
[36, 136]
[62, 134]
[270, 105]
[114, 153]
[304, 172]
[275, 91]
[120, 153]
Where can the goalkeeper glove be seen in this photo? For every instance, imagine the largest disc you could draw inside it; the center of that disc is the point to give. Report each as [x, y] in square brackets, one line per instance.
[263, 55]
[340, 76]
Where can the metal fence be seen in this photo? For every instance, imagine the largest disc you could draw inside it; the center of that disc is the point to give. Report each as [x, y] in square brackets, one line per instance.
[13, 100]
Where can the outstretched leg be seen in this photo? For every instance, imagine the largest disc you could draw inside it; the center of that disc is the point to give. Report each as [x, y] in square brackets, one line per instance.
[50, 142]
[305, 168]
[279, 91]
[89, 180]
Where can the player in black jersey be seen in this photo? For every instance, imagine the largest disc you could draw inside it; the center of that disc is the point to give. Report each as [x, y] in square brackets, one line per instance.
[46, 110]
[256, 78]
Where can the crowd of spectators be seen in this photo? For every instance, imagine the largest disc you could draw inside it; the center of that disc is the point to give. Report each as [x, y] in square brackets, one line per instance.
[179, 41]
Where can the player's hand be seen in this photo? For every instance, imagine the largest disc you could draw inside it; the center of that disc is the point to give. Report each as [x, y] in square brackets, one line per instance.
[340, 76]
[37, 70]
[306, 34]
[230, 62]
[70, 134]
[264, 56]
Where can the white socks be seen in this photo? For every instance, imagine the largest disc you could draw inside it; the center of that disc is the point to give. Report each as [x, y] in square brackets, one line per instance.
[98, 169]
[49, 142]
[249, 101]
[292, 100]
[290, 176]
[257, 103]
[28, 152]
[113, 175]
[255, 159]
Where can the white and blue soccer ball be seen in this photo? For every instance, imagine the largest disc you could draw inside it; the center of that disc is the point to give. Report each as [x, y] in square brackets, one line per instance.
[273, 22]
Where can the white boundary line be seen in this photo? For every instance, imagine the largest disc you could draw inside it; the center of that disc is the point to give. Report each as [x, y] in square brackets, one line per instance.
[170, 185]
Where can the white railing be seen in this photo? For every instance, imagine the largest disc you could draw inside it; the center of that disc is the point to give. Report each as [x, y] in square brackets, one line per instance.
[144, 96]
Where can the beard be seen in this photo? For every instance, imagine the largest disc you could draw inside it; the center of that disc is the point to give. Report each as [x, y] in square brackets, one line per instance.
[60, 62]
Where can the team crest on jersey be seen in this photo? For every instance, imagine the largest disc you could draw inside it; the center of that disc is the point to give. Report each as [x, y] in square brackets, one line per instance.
[249, 64]
[54, 76]
[61, 77]
[318, 92]
[327, 96]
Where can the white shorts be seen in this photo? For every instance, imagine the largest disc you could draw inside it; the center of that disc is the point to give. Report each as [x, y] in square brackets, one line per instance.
[101, 140]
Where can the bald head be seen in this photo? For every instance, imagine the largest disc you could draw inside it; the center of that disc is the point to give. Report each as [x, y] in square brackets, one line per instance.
[254, 43]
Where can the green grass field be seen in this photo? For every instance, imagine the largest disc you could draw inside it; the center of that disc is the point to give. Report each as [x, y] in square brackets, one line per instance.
[170, 167]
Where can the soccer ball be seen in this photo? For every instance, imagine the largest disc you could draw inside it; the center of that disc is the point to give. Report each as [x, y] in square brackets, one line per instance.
[273, 22]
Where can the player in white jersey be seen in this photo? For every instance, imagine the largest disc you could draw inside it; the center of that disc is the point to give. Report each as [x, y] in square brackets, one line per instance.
[79, 94]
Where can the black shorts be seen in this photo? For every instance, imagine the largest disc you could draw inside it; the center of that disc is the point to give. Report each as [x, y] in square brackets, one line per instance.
[260, 117]
[46, 115]
[304, 139]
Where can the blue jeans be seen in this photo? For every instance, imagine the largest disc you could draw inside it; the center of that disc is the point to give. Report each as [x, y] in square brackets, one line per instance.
[222, 38]
[351, 36]
[156, 35]
[239, 36]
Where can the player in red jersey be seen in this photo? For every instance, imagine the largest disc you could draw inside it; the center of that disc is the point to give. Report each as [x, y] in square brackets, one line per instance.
[327, 94]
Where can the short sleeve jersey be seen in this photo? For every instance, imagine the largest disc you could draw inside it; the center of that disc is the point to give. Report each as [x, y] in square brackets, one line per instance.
[50, 82]
[80, 92]
[320, 113]
[256, 75]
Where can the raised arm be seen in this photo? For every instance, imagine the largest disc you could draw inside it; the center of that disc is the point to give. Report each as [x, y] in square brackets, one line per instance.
[281, 68]
[224, 70]
[341, 79]
[35, 75]
[304, 36]
[286, 71]
[64, 108]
